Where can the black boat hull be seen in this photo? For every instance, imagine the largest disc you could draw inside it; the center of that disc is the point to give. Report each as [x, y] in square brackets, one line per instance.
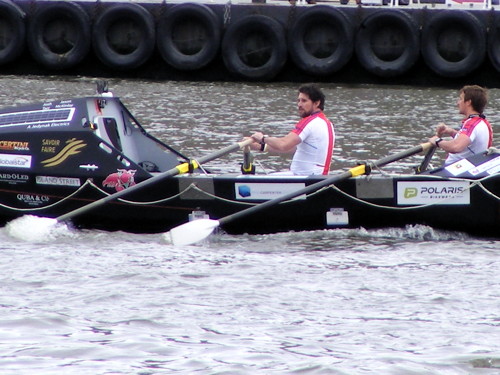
[369, 202]
[59, 156]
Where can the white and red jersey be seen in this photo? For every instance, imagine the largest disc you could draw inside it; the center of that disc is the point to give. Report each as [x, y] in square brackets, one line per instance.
[314, 153]
[480, 133]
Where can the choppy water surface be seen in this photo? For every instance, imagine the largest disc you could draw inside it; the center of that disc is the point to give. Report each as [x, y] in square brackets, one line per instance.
[394, 301]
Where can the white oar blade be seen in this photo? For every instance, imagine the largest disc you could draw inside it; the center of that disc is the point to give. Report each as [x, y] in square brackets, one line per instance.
[191, 232]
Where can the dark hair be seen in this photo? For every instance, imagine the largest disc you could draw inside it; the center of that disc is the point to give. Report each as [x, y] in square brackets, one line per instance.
[477, 95]
[314, 94]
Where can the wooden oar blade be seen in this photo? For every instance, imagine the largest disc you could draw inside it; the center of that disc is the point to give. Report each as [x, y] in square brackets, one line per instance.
[191, 232]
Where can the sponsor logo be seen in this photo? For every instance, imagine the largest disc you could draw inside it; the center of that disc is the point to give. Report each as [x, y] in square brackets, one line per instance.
[14, 146]
[265, 191]
[60, 181]
[15, 161]
[33, 199]
[244, 191]
[120, 180]
[433, 192]
[49, 145]
[13, 178]
[410, 192]
[72, 147]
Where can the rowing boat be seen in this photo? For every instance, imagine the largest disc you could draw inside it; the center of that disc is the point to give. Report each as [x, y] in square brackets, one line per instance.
[89, 160]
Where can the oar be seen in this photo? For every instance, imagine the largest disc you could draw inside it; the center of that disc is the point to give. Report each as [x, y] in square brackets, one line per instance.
[197, 230]
[181, 168]
[247, 167]
[427, 159]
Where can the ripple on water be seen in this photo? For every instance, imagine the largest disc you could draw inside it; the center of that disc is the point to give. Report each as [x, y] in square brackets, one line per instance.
[396, 301]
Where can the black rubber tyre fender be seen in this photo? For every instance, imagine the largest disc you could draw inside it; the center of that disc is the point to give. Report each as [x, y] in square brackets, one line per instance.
[254, 48]
[494, 42]
[320, 41]
[453, 43]
[123, 36]
[12, 32]
[59, 34]
[188, 36]
[388, 43]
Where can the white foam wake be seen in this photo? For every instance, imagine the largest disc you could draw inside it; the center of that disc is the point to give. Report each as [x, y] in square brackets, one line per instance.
[31, 228]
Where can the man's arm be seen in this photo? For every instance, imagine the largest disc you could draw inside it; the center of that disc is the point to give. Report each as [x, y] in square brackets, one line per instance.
[454, 145]
[287, 144]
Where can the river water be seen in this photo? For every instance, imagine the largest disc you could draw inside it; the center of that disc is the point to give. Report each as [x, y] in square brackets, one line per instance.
[396, 301]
